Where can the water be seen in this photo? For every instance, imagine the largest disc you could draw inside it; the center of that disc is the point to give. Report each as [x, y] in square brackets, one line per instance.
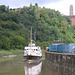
[12, 66]
[17, 66]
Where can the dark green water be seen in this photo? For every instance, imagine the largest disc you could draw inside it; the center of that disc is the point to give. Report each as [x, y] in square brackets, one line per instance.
[17, 66]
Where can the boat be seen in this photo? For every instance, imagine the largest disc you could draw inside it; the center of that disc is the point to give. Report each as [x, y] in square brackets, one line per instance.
[32, 51]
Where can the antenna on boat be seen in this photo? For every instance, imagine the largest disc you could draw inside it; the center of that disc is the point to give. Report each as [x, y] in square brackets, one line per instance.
[34, 37]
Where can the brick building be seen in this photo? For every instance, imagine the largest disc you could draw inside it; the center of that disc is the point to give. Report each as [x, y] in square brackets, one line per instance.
[72, 19]
[16, 10]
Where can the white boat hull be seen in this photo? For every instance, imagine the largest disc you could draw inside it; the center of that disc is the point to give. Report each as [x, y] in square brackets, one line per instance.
[32, 52]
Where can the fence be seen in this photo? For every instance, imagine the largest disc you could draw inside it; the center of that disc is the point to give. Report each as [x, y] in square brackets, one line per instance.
[64, 48]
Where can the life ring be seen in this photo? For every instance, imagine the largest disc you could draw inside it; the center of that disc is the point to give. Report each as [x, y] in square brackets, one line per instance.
[73, 47]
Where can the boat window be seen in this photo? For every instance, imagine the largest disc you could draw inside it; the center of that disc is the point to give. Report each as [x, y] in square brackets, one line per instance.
[36, 50]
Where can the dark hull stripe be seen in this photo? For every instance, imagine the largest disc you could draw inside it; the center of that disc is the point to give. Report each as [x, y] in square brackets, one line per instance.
[32, 57]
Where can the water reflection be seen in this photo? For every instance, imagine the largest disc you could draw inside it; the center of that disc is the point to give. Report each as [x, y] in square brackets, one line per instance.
[33, 67]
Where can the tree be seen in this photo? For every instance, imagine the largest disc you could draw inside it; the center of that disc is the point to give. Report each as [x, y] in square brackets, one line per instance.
[48, 24]
[55, 22]
[2, 8]
[19, 42]
[63, 28]
[4, 43]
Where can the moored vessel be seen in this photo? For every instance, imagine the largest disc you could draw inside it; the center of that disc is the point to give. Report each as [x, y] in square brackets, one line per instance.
[32, 51]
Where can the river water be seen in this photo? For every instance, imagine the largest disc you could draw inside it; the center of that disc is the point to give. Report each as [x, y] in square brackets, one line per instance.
[17, 66]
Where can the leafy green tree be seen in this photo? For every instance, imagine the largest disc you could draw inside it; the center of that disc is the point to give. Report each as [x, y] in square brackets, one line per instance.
[5, 43]
[55, 21]
[48, 24]
[2, 8]
[19, 42]
[68, 38]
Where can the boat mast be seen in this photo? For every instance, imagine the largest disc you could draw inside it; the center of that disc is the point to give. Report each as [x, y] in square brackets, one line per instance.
[31, 36]
[34, 37]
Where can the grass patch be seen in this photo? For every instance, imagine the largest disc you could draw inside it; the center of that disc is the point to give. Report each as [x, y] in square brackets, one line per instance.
[43, 53]
[10, 52]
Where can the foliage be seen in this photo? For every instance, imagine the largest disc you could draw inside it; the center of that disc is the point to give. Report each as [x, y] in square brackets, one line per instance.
[48, 24]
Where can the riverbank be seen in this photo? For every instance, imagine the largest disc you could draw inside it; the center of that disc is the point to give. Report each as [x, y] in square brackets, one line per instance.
[6, 53]
[11, 52]
[43, 53]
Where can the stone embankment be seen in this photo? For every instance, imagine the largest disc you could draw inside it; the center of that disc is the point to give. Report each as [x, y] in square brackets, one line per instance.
[64, 63]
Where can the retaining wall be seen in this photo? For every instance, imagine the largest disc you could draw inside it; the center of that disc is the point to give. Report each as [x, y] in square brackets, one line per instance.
[64, 63]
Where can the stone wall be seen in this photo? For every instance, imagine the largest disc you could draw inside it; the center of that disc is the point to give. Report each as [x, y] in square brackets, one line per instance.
[64, 63]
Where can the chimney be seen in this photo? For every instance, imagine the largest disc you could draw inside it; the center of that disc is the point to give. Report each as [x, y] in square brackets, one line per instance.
[71, 10]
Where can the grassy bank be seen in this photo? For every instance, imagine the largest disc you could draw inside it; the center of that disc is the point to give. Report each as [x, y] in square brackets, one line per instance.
[11, 52]
[15, 52]
[43, 53]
